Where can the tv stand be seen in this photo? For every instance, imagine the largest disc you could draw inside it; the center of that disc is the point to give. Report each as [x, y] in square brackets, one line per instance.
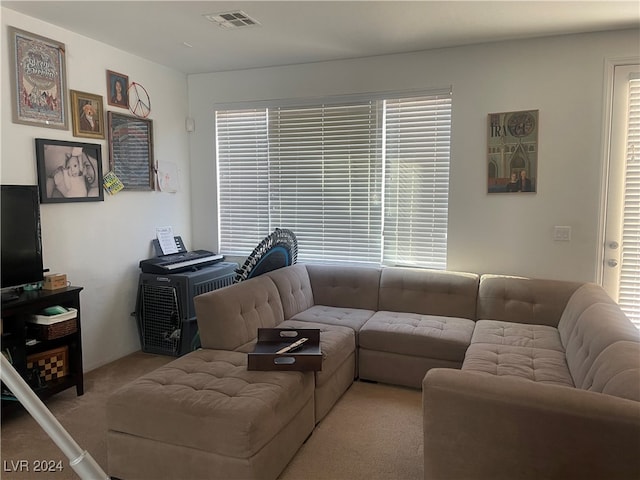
[15, 313]
[10, 296]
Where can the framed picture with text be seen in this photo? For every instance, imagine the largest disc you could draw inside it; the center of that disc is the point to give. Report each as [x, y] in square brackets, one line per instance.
[38, 80]
[512, 152]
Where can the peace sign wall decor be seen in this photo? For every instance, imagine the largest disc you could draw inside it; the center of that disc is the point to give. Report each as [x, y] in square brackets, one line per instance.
[139, 100]
[124, 94]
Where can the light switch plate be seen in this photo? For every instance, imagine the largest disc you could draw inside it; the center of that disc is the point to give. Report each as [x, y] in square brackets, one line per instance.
[562, 234]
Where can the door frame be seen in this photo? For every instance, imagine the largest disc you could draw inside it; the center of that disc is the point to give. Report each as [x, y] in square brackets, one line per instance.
[607, 145]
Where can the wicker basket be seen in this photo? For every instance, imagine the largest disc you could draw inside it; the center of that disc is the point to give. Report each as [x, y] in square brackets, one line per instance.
[53, 331]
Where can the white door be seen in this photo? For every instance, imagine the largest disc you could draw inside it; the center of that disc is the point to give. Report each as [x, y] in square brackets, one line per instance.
[621, 255]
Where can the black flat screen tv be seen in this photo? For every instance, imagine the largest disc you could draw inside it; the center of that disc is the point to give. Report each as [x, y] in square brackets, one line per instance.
[21, 242]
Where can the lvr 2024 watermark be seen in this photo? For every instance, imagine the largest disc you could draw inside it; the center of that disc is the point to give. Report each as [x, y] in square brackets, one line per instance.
[36, 466]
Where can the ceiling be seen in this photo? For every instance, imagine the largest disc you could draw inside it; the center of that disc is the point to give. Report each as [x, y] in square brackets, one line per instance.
[177, 34]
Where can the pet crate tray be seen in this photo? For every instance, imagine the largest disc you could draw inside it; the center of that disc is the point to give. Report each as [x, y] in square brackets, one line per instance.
[271, 351]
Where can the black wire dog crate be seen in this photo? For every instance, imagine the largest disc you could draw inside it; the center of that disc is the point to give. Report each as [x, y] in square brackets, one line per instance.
[165, 313]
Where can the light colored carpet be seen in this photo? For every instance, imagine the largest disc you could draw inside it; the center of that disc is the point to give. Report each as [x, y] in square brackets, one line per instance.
[374, 432]
[23, 440]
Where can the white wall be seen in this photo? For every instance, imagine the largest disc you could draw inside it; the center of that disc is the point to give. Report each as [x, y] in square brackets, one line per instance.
[99, 244]
[561, 76]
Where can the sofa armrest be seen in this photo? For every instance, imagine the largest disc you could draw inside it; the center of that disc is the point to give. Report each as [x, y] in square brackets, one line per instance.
[229, 318]
[479, 426]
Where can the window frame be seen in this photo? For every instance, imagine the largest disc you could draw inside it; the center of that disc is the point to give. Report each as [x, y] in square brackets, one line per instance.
[379, 99]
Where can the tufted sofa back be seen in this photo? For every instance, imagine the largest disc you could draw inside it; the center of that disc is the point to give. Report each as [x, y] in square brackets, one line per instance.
[601, 325]
[348, 287]
[295, 288]
[229, 318]
[428, 292]
[523, 300]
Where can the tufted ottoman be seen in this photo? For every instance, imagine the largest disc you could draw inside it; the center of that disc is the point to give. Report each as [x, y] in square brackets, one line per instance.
[400, 348]
[205, 416]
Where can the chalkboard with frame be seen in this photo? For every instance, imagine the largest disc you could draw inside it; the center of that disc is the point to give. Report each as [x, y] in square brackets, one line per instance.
[131, 151]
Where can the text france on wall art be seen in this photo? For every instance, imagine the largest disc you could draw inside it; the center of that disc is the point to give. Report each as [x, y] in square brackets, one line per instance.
[512, 152]
[38, 80]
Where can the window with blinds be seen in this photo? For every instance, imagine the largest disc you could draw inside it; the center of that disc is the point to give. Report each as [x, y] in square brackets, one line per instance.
[629, 293]
[363, 181]
[243, 179]
[417, 141]
[325, 179]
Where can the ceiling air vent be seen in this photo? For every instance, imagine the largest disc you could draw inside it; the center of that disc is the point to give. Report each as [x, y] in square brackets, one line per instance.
[232, 19]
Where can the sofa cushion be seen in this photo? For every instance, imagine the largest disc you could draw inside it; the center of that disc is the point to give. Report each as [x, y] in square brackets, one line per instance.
[339, 286]
[354, 318]
[230, 317]
[517, 335]
[599, 326]
[209, 401]
[429, 292]
[445, 338]
[295, 288]
[523, 300]
[616, 371]
[536, 364]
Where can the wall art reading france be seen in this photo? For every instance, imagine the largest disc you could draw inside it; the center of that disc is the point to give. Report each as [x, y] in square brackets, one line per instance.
[512, 151]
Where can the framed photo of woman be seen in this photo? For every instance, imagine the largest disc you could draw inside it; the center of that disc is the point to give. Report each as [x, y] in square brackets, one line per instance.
[87, 114]
[117, 88]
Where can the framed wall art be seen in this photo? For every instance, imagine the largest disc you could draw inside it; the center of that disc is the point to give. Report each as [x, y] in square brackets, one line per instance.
[512, 149]
[69, 171]
[87, 114]
[117, 89]
[38, 80]
[131, 150]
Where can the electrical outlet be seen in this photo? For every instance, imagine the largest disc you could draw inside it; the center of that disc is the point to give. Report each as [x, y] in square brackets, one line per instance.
[562, 234]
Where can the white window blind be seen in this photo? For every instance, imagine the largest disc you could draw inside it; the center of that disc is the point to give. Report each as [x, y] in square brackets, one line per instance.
[629, 296]
[243, 179]
[338, 174]
[417, 151]
[326, 173]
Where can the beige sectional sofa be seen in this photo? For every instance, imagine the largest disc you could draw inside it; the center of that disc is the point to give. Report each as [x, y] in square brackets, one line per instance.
[549, 388]
[521, 378]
